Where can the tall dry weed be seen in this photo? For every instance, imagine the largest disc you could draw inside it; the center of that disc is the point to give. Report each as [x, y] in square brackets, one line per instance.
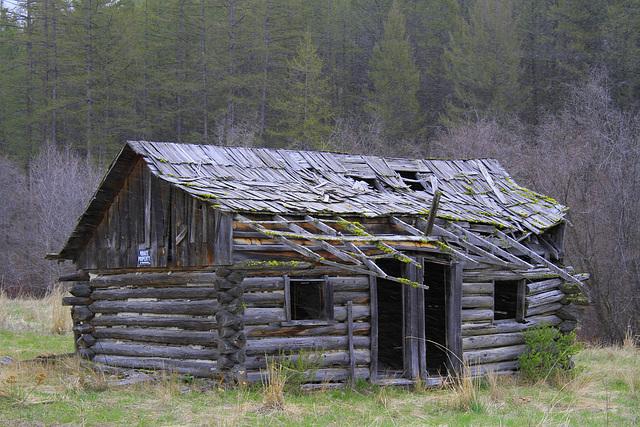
[464, 390]
[273, 393]
[60, 322]
[5, 316]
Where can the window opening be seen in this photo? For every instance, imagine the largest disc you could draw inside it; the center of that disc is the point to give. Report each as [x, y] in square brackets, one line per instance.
[508, 298]
[310, 299]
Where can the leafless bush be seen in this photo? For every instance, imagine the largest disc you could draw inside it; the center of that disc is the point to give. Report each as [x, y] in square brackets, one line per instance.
[38, 211]
[587, 157]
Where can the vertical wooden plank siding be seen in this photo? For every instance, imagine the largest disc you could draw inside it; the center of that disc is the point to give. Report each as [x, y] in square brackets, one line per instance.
[454, 316]
[373, 303]
[352, 358]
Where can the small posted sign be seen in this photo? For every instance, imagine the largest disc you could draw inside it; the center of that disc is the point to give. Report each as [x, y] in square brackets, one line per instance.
[144, 257]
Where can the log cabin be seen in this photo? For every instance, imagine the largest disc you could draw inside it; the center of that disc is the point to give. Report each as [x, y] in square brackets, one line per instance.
[209, 260]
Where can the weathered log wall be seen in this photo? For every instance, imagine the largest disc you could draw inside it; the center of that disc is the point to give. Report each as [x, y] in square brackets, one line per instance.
[152, 321]
[496, 345]
[343, 343]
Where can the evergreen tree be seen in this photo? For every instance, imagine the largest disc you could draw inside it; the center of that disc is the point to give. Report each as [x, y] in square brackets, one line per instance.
[484, 62]
[395, 78]
[303, 106]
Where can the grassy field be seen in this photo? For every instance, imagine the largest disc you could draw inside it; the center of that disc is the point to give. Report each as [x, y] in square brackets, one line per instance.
[603, 390]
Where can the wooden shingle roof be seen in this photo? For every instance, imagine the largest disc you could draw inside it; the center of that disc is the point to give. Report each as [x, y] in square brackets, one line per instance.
[290, 182]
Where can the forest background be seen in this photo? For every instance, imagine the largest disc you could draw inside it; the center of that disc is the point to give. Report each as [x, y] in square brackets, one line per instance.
[548, 87]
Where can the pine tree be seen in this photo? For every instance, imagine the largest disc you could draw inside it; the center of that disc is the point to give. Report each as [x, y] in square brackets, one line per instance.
[484, 62]
[395, 78]
[303, 106]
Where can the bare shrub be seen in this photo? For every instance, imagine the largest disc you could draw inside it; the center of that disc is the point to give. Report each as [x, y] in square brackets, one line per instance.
[588, 158]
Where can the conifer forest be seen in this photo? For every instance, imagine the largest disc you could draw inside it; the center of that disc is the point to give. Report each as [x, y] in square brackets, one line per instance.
[548, 87]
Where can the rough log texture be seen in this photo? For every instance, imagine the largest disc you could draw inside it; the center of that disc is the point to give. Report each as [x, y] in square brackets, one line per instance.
[196, 368]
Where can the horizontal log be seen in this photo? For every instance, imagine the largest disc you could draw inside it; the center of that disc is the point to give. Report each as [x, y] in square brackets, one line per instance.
[70, 301]
[158, 293]
[154, 279]
[359, 328]
[570, 312]
[188, 323]
[476, 315]
[544, 309]
[543, 286]
[500, 354]
[271, 266]
[330, 358]
[81, 290]
[260, 284]
[200, 307]
[477, 288]
[149, 350]
[489, 341]
[81, 314]
[83, 328]
[486, 275]
[567, 326]
[544, 298]
[261, 316]
[275, 345]
[497, 368]
[356, 297]
[158, 336]
[507, 326]
[477, 302]
[321, 375]
[185, 367]
[78, 276]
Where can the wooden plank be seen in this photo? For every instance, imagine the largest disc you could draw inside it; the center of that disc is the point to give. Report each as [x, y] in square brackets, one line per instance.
[521, 302]
[352, 358]
[288, 344]
[287, 298]
[199, 369]
[454, 318]
[373, 290]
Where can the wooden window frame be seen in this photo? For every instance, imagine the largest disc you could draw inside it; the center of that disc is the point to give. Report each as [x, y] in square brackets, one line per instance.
[327, 310]
[520, 301]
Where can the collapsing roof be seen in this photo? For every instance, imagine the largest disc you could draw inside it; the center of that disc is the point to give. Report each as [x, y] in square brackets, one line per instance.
[321, 187]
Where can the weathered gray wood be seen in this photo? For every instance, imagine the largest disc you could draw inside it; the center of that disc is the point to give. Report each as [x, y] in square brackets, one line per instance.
[260, 316]
[81, 290]
[159, 293]
[477, 288]
[484, 275]
[477, 302]
[544, 309]
[261, 284]
[275, 330]
[507, 326]
[355, 297]
[373, 289]
[544, 298]
[81, 314]
[499, 354]
[198, 369]
[570, 312]
[543, 286]
[454, 318]
[158, 336]
[321, 375]
[150, 350]
[328, 307]
[567, 326]
[82, 328]
[330, 358]
[274, 345]
[200, 307]
[154, 279]
[78, 276]
[188, 323]
[352, 357]
[469, 316]
[487, 341]
[69, 301]
[497, 368]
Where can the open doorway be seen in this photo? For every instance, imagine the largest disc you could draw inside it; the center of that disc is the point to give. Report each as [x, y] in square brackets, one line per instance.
[390, 319]
[435, 303]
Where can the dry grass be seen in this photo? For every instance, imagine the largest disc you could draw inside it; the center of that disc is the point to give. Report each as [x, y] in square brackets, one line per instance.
[46, 315]
[274, 389]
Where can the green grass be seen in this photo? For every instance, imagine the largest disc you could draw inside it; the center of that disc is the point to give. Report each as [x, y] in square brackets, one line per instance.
[603, 390]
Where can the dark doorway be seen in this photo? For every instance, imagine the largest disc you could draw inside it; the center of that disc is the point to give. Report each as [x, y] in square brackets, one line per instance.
[435, 302]
[390, 318]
